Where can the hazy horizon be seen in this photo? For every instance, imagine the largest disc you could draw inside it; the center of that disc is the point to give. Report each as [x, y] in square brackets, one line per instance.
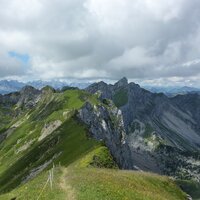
[66, 81]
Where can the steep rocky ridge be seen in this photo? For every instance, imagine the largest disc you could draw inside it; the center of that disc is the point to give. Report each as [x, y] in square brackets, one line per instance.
[160, 135]
[190, 104]
[105, 124]
[101, 126]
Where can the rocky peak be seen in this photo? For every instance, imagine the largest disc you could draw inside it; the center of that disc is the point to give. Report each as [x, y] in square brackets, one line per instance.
[98, 85]
[28, 96]
[101, 87]
[28, 90]
[122, 82]
[48, 89]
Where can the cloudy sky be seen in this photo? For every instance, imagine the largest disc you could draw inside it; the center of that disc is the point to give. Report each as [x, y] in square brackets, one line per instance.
[151, 41]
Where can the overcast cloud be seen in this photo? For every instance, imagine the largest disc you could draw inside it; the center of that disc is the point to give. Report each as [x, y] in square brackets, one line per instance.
[148, 40]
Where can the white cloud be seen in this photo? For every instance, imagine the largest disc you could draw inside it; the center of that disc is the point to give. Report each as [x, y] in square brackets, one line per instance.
[147, 39]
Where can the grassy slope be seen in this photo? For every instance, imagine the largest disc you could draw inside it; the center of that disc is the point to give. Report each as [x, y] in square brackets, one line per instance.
[84, 182]
[32, 189]
[120, 98]
[5, 117]
[98, 184]
[118, 184]
[71, 142]
[66, 141]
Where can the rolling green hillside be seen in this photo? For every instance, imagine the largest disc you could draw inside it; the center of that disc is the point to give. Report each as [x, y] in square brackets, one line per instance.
[49, 134]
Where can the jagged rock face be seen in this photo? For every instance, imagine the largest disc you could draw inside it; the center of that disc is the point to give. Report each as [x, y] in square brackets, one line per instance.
[157, 128]
[10, 99]
[190, 104]
[176, 126]
[102, 128]
[107, 125]
[28, 96]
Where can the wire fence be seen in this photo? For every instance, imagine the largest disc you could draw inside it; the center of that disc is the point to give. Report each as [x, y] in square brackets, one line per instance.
[49, 180]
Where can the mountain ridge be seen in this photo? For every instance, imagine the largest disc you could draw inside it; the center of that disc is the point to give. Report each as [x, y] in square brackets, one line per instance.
[8, 86]
[154, 126]
[124, 117]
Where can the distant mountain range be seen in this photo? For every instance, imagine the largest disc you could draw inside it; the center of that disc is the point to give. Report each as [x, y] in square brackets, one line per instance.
[8, 86]
[173, 91]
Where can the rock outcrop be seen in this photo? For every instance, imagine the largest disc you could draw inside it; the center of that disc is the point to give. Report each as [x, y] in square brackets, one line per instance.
[106, 124]
[111, 131]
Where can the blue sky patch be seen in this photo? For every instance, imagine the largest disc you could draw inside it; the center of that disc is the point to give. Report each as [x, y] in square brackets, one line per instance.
[22, 57]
